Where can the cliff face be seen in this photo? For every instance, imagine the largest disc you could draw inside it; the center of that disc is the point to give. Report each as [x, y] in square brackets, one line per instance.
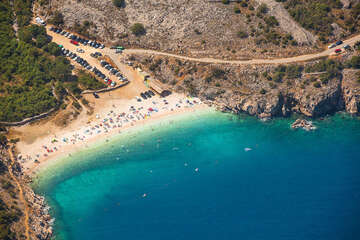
[340, 94]
[351, 92]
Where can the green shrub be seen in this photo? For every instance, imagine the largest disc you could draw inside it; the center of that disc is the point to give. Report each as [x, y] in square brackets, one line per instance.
[225, 1]
[119, 3]
[317, 85]
[57, 19]
[237, 10]
[242, 34]
[263, 8]
[354, 62]
[138, 29]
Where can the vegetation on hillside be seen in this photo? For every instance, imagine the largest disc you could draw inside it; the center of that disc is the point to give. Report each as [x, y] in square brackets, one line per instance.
[318, 15]
[32, 66]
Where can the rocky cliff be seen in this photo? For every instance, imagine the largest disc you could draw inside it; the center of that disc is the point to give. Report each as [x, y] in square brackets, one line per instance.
[264, 91]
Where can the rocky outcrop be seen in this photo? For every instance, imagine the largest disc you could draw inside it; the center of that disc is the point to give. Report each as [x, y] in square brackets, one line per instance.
[319, 102]
[304, 124]
[263, 106]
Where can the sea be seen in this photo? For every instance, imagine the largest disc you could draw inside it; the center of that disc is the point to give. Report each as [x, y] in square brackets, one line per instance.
[211, 175]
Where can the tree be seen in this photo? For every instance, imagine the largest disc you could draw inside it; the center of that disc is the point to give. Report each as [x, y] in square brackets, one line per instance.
[53, 49]
[41, 41]
[25, 35]
[138, 29]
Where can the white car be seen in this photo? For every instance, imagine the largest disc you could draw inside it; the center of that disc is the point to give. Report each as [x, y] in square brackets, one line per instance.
[80, 50]
[332, 45]
[113, 84]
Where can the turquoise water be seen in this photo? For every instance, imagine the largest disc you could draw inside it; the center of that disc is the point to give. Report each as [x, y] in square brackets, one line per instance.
[144, 184]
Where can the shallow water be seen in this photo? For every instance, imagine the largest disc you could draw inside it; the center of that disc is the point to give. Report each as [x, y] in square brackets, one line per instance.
[212, 176]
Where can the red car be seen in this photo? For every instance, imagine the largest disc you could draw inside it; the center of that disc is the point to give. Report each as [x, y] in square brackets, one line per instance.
[337, 50]
[74, 42]
[109, 82]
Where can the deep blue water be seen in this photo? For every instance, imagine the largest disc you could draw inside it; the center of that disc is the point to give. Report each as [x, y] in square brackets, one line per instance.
[292, 185]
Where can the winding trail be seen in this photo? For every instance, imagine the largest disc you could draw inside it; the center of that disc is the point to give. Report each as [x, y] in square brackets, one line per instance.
[21, 194]
[301, 58]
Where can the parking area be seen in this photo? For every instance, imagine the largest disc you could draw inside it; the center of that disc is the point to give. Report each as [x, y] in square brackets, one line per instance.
[86, 53]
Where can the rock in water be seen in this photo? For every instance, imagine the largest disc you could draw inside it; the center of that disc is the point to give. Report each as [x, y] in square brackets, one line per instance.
[304, 124]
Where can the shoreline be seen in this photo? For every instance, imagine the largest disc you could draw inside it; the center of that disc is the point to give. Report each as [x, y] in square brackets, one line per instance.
[113, 122]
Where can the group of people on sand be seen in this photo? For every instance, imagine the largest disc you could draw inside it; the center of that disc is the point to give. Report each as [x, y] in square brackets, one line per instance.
[113, 120]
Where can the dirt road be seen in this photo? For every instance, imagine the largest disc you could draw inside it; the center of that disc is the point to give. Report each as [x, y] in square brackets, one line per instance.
[302, 58]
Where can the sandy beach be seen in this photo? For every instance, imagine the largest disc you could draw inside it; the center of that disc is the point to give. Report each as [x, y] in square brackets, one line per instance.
[106, 122]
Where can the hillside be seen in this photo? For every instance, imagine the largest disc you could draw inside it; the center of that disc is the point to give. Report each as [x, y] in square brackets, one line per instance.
[236, 30]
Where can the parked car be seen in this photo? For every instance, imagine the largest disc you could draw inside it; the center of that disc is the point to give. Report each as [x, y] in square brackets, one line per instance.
[148, 95]
[338, 50]
[98, 54]
[339, 42]
[96, 95]
[113, 84]
[332, 46]
[143, 96]
[347, 47]
[151, 93]
[80, 50]
[74, 42]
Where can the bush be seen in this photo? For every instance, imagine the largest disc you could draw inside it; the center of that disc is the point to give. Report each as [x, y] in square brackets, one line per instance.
[237, 10]
[217, 73]
[278, 76]
[317, 85]
[57, 19]
[242, 34]
[225, 1]
[138, 29]
[354, 62]
[271, 21]
[119, 3]
[263, 9]
[262, 91]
